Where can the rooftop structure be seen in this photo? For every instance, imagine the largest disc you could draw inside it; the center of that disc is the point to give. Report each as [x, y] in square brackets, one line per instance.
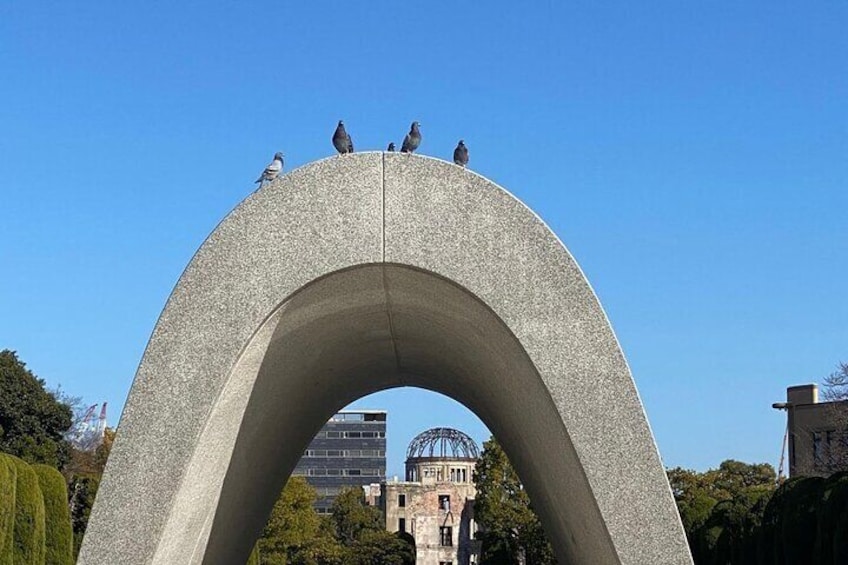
[816, 433]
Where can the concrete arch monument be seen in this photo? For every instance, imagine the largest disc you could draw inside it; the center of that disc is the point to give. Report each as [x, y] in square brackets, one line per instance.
[355, 274]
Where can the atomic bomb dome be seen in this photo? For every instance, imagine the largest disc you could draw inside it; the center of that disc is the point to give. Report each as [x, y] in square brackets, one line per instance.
[435, 503]
[442, 443]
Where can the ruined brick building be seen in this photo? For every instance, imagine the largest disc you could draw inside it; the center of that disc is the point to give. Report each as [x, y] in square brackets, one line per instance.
[435, 504]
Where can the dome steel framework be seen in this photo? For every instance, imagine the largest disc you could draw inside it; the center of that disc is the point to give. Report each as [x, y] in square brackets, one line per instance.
[446, 443]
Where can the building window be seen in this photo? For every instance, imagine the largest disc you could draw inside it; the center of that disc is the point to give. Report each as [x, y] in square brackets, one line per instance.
[446, 536]
[402, 525]
[444, 502]
[402, 500]
[818, 458]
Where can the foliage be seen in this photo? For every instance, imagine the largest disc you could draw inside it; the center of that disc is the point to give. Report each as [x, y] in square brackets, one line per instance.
[697, 493]
[351, 517]
[511, 530]
[360, 532]
[832, 548]
[835, 391]
[798, 523]
[81, 493]
[83, 473]
[28, 548]
[694, 501]
[380, 546]
[836, 384]
[254, 556]
[722, 509]
[803, 522]
[353, 535]
[32, 421]
[8, 486]
[57, 520]
[293, 530]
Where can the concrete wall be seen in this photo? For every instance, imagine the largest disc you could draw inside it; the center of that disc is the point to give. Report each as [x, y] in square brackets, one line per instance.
[355, 274]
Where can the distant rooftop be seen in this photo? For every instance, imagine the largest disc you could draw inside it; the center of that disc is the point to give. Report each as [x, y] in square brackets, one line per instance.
[359, 416]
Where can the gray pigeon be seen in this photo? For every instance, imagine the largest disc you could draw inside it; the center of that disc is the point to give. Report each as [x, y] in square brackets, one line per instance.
[412, 139]
[341, 139]
[460, 154]
[273, 169]
[391, 147]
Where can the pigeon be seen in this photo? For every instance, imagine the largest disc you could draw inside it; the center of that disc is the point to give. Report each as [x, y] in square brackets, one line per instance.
[460, 154]
[272, 170]
[341, 139]
[412, 139]
[391, 147]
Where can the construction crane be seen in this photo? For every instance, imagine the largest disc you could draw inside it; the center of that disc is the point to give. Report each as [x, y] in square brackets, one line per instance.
[87, 433]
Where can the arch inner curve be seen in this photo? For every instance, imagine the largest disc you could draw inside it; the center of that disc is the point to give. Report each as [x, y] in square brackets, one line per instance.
[353, 333]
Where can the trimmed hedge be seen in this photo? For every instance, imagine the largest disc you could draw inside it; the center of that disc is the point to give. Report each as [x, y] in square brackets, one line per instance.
[254, 556]
[57, 519]
[28, 548]
[832, 536]
[8, 486]
[798, 521]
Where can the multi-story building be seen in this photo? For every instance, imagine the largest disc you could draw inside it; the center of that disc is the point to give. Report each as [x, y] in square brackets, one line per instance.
[350, 450]
[435, 504]
[817, 432]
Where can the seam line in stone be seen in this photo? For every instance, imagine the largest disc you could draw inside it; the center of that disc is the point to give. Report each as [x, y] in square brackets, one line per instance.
[383, 202]
[388, 303]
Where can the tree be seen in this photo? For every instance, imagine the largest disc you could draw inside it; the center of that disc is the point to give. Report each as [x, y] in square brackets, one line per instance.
[380, 546]
[351, 516]
[360, 530]
[694, 501]
[293, 534]
[83, 473]
[511, 531]
[836, 392]
[721, 509]
[836, 384]
[32, 421]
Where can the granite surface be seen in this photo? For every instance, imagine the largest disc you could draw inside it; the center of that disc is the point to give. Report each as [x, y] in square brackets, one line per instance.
[354, 274]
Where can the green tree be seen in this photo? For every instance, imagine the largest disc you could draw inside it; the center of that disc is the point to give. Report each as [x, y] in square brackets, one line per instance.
[293, 534]
[351, 516]
[511, 530]
[32, 421]
[697, 493]
[83, 473]
[81, 492]
[694, 501]
[380, 546]
[361, 532]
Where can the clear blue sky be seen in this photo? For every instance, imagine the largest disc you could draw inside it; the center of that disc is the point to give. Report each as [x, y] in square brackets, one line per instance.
[693, 158]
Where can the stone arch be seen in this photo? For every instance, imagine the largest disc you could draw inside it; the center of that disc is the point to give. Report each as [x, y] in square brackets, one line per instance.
[355, 274]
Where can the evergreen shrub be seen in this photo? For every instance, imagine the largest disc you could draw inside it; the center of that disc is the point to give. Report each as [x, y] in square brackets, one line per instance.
[57, 518]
